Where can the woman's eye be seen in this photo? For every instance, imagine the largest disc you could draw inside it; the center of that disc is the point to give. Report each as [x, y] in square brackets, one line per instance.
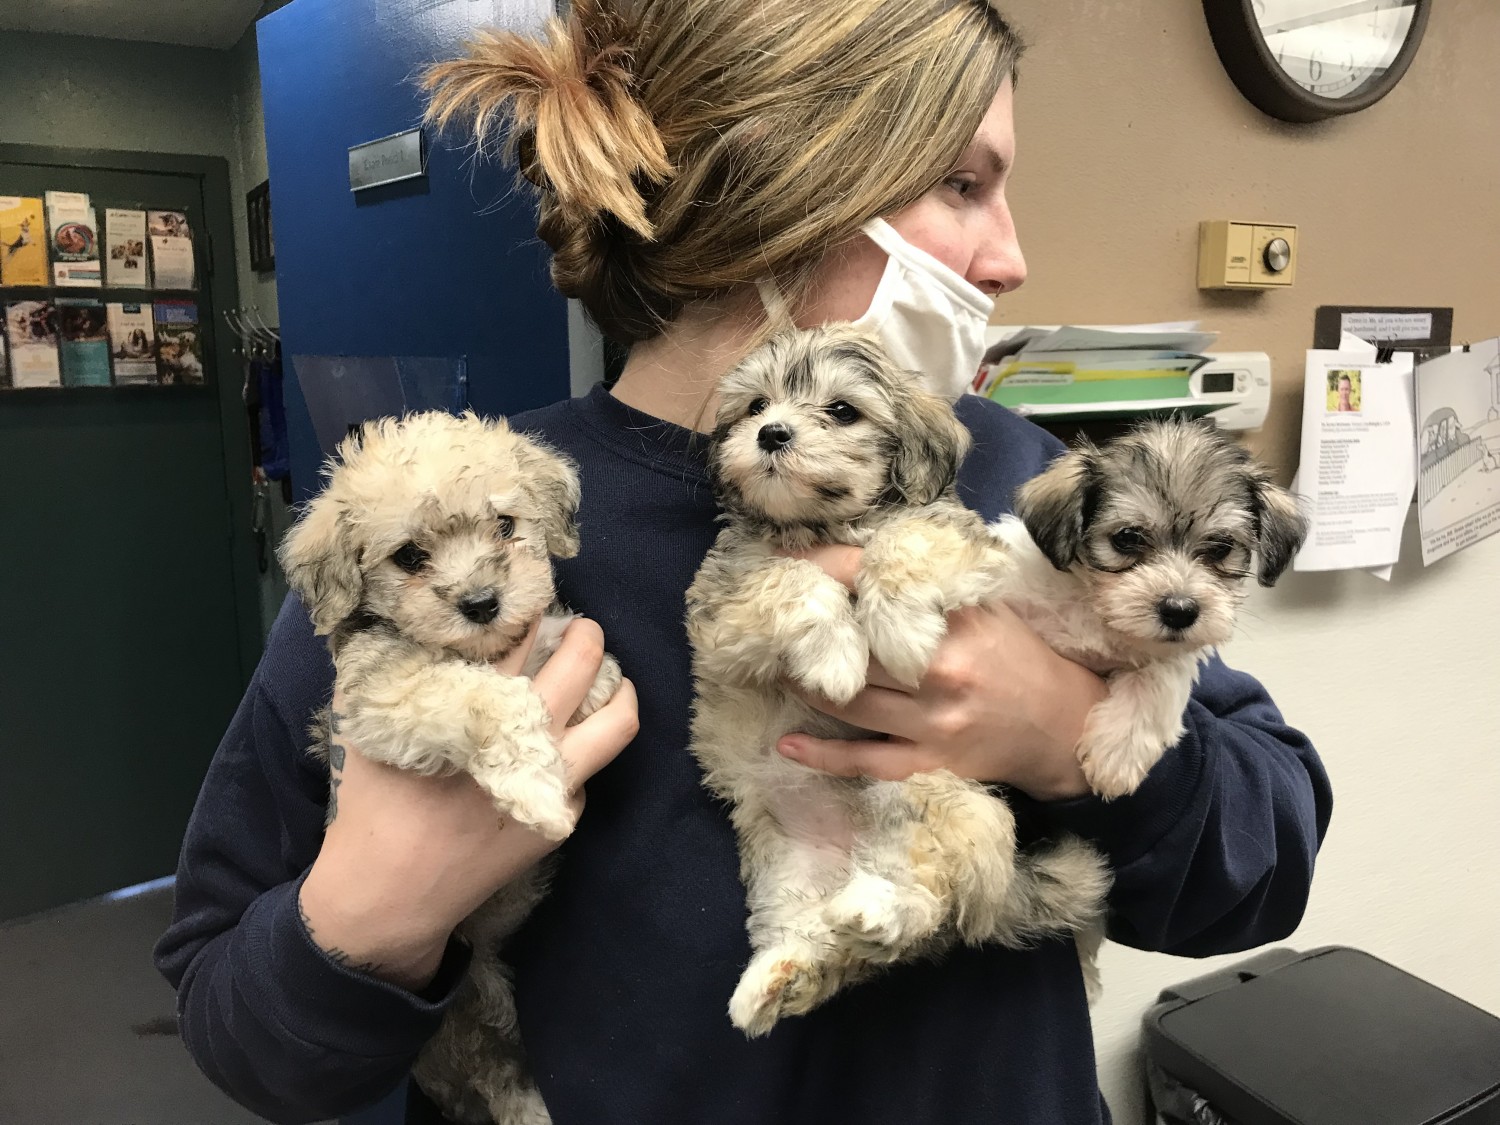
[410, 558]
[1217, 551]
[758, 406]
[507, 526]
[843, 413]
[1128, 540]
[964, 185]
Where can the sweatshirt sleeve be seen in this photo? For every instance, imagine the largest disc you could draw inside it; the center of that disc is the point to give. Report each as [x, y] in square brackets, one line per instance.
[274, 1022]
[1214, 852]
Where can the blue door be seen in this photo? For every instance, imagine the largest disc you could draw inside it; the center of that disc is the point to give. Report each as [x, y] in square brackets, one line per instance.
[444, 266]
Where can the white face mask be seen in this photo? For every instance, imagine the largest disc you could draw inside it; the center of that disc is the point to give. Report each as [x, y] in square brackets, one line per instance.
[930, 318]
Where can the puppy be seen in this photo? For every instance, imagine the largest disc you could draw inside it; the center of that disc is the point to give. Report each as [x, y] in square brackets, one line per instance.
[425, 558]
[820, 439]
[1131, 559]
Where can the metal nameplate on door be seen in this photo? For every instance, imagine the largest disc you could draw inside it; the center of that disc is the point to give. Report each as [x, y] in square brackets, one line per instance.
[401, 156]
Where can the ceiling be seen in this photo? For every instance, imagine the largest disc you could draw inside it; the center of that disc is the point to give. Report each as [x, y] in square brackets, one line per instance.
[193, 23]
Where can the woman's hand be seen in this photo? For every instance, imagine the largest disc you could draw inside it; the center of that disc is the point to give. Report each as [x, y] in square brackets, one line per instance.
[996, 705]
[406, 858]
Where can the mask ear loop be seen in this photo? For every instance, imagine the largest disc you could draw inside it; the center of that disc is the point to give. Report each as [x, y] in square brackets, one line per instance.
[774, 301]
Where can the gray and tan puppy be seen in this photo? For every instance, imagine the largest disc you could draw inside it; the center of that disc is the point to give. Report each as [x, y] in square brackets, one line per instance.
[1131, 559]
[426, 557]
[821, 440]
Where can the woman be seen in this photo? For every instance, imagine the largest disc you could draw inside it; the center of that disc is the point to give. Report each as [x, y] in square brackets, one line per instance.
[721, 150]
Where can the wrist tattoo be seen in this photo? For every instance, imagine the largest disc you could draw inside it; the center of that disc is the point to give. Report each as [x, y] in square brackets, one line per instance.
[335, 954]
[335, 762]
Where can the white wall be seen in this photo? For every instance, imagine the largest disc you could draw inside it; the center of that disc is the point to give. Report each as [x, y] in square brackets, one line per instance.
[1399, 687]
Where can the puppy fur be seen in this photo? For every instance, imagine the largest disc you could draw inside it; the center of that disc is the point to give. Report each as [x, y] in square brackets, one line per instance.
[424, 558]
[821, 440]
[1131, 559]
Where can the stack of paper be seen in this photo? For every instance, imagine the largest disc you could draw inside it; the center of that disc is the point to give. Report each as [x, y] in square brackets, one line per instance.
[1083, 370]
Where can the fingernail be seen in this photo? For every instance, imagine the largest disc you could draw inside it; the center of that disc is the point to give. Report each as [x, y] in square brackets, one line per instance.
[790, 748]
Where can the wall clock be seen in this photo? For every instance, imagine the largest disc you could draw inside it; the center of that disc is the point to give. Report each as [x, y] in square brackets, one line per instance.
[1307, 60]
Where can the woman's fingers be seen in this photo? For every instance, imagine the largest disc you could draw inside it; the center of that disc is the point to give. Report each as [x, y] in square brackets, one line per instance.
[893, 760]
[592, 744]
[565, 679]
[879, 709]
[841, 562]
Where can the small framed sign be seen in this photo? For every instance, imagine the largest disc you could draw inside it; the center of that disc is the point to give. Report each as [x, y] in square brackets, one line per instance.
[258, 216]
[401, 156]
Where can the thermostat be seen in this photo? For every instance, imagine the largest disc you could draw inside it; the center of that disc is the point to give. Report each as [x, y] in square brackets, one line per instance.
[1234, 255]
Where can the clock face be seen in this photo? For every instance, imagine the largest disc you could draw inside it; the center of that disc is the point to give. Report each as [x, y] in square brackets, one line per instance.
[1335, 48]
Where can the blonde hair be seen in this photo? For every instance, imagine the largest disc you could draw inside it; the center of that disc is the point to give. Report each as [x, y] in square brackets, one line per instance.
[692, 146]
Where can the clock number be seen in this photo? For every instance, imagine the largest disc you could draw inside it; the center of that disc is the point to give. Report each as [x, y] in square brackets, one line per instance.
[1314, 67]
[1260, 10]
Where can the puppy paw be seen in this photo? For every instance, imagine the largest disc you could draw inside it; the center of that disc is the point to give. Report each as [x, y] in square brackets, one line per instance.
[606, 683]
[903, 633]
[780, 981]
[834, 666]
[533, 796]
[880, 920]
[1110, 771]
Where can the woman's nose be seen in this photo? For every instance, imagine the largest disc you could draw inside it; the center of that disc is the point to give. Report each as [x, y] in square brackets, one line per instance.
[998, 265]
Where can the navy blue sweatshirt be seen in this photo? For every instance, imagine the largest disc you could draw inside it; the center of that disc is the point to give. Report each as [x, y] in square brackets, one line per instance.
[625, 971]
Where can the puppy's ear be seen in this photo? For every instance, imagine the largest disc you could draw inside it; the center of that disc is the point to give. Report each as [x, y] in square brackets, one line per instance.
[1055, 505]
[931, 444]
[1280, 527]
[321, 564]
[552, 481]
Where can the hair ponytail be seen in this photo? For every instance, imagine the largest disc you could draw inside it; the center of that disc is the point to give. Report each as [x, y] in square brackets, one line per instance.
[576, 128]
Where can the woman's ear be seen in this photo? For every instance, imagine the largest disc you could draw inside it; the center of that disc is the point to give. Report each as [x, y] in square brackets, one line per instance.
[1053, 505]
[322, 564]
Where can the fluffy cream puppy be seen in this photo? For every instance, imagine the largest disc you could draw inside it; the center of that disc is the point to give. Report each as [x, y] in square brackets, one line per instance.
[426, 557]
[820, 440]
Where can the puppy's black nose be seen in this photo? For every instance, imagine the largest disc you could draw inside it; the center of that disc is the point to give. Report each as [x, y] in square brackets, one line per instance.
[1177, 613]
[480, 608]
[774, 435]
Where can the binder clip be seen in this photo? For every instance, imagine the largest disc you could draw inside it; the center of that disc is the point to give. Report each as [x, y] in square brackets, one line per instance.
[1386, 352]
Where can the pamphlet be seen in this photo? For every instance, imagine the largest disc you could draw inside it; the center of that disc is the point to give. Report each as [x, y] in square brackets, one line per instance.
[125, 238]
[23, 241]
[1357, 472]
[84, 337]
[4, 359]
[31, 330]
[75, 240]
[179, 348]
[1458, 401]
[171, 250]
[132, 343]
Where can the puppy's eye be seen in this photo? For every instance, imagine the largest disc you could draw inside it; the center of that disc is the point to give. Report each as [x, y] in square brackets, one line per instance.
[507, 526]
[1216, 550]
[1128, 540]
[844, 414]
[410, 558]
[758, 407]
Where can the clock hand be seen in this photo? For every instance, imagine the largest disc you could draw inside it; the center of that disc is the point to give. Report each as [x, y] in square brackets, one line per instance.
[1329, 15]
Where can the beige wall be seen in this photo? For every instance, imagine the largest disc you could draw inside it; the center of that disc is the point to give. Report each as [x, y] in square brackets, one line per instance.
[1131, 133]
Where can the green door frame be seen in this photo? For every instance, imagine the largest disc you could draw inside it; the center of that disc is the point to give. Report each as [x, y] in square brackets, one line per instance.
[215, 255]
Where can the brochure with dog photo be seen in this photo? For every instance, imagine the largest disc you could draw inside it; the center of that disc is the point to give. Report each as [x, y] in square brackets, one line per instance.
[31, 331]
[171, 250]
[125, 237]
[23, 241]
[179, 349]
[132, 343]
[83, 335]
[75, 240]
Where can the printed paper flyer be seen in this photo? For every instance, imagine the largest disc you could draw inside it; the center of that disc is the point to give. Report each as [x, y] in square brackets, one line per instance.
[31, 330]
[84, 343]
[179, 348]
[171, 250]
[1458, 402]
[132, 343]
[23, 241]
[75, 240]
[125, 238]
[4, 361]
